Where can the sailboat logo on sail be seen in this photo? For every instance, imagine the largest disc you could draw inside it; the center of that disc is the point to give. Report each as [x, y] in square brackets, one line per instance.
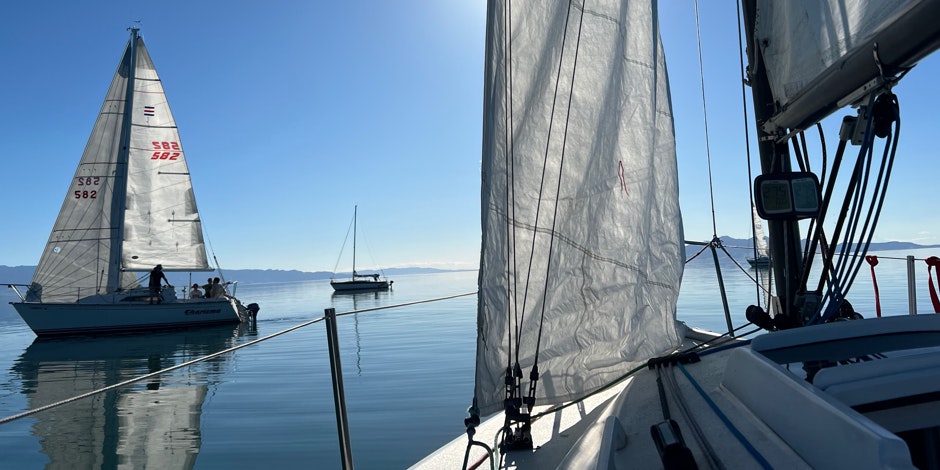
[148, 111]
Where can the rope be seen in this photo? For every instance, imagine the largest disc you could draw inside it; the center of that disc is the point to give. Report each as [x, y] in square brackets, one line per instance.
[703, 347]
[873, 261]
[211, 356]
[152, 374]
[511, 297]
[551, 243]
[747, 135]
[933, 262]
[708, 154]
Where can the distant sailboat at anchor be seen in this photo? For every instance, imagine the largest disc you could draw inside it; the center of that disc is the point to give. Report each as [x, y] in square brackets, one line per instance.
[360, 282]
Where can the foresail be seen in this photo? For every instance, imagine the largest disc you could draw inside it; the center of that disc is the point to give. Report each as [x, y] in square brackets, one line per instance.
[74, 263]
[161, 223]
[582, 237]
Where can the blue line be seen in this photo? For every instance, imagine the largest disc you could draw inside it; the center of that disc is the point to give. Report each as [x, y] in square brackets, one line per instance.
[734, 431]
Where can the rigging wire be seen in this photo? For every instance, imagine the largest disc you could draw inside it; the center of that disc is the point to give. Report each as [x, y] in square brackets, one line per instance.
[718, 343]
[345, 239]
[708, 154]
[205, 232]
[217, 354]
[561, 167]
[747, 136]
[511, 263]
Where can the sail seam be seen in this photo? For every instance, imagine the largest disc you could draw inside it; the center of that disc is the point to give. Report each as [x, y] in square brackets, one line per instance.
[572, 243]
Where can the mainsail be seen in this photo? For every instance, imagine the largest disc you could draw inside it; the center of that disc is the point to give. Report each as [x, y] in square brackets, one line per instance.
[582, 237]
[823, 55]
[130, 205]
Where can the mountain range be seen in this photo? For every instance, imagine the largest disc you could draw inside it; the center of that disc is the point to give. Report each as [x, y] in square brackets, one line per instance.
[738, 248]
[23, 275]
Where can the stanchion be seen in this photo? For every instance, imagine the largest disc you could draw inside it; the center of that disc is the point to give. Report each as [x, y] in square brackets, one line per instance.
[339, 395]
[911, 287]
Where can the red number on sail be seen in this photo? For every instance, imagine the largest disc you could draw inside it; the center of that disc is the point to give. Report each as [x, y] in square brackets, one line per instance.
[164, 156]
[86, 194]
[163, 145]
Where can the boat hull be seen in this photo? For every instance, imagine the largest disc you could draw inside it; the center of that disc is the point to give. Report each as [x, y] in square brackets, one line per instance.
[759, 262]
[351, 286]
[49, 319]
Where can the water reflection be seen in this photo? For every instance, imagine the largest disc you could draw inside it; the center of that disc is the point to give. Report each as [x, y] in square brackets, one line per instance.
[353, 301]
[149, 424]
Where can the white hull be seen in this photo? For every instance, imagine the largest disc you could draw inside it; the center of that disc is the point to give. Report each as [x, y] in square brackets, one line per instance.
[74, 318]
[857, 414]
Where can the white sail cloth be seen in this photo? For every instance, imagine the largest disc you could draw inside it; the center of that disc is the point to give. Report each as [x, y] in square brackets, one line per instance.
[582, 234]
[800, 39]
[160, 221]
[161, 224]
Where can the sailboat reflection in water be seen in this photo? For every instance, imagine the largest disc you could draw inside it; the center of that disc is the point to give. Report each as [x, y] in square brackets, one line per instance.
[150, 424]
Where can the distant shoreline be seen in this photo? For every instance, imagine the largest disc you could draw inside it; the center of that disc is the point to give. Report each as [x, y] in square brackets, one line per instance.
[23, 274]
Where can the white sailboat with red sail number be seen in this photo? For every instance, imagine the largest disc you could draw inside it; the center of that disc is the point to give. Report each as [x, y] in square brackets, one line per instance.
[129, 207]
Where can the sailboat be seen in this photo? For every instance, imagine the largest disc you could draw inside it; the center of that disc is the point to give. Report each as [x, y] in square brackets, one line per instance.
[580, 362]
[762, 258]
[360, 282]
[129, 207]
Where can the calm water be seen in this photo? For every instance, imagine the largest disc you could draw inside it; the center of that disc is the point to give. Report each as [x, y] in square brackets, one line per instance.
[408, 376]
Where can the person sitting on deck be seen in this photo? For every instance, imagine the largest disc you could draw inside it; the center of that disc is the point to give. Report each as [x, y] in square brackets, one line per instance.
[195, 293]
[156, 279]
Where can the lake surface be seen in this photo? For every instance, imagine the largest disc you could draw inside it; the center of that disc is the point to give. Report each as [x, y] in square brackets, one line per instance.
[408, 375]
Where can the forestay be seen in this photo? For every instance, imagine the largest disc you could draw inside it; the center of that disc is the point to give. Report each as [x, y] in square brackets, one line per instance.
[582, 238]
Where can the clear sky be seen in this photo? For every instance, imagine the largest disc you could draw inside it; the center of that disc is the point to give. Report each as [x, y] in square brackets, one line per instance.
[293, 112]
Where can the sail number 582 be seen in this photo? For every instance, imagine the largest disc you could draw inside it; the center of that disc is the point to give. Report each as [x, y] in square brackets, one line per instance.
[162, 150]
[86, 181]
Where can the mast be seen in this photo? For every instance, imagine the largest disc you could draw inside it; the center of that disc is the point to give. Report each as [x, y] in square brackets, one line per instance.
[355, 214]
[119, 196]
[785, 249]
[875, 62]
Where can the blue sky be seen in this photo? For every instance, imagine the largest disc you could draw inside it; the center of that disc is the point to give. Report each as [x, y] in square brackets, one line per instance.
[292, 112]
